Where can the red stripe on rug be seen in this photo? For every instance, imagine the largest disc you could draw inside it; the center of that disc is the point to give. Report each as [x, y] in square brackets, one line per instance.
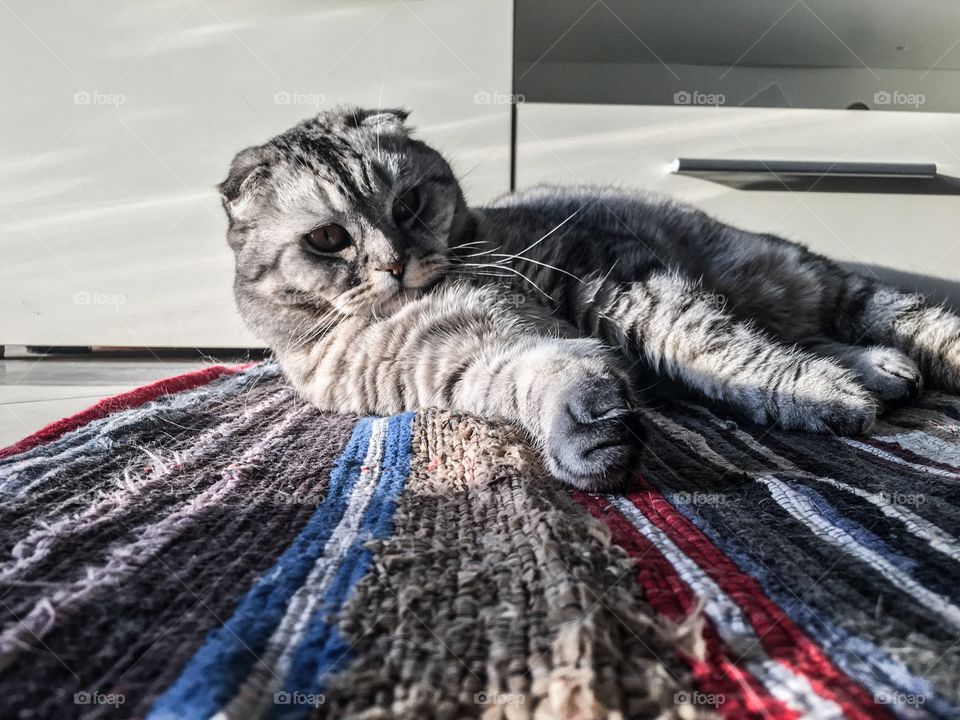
[779, 636]
[664, 590]
[123, 401]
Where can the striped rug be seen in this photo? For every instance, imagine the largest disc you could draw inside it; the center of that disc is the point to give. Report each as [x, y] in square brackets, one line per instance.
[210, 546]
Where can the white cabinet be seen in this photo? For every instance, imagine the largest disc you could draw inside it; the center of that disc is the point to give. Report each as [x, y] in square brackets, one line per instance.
[910, 239]
[120, 118]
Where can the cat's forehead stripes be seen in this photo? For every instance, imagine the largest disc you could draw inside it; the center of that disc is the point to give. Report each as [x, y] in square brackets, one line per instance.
[320, 155]
[349, 169]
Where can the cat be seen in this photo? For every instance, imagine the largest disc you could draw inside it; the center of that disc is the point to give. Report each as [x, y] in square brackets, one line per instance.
[379, 290]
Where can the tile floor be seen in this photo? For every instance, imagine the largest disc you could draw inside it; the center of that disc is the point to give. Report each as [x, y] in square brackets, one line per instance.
[37, 389]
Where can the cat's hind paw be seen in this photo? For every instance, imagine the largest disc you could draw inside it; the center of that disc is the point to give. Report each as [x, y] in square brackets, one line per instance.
[890, 374]
[824, 398]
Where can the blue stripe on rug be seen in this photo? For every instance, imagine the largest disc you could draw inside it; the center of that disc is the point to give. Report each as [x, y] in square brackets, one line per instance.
[323, 650]
[216, 670]
[863, 661]
[855, 530]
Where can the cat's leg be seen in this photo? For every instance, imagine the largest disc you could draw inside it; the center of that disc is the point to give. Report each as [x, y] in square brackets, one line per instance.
[795, 293]
[868, 311]
[683, 332]
[466, 350]
[887, 372]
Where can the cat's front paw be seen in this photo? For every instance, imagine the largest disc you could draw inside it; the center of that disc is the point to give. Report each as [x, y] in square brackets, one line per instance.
[591, 435]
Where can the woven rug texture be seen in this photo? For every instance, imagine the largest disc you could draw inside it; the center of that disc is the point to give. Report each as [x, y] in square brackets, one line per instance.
[212, 546]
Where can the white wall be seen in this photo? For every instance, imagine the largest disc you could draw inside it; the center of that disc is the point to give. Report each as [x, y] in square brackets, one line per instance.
[119, 119]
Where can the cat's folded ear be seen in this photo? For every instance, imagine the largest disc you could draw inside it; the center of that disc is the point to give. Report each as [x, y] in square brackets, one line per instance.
[249, 170]
[388, 120]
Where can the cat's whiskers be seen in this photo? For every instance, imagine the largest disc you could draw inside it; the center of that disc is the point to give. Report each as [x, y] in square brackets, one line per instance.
[467, 244]
[317, 327]
[475, 273]
[360, 297]
[551, 232]
[495, 266]
[323, 324]
[606, 277]
[305, 321]
[538, 262]
[481, 253]
[506, 258]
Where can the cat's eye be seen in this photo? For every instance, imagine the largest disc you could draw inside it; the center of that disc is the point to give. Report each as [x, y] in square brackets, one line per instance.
[326, 239]
[407, 207]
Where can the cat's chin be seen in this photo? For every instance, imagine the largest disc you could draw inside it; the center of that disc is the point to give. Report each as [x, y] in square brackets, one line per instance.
[395, 301]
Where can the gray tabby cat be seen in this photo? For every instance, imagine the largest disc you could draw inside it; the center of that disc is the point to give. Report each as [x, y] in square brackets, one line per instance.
[379, 290]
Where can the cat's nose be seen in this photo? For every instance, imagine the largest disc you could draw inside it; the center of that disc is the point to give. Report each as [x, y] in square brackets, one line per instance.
[394, 268]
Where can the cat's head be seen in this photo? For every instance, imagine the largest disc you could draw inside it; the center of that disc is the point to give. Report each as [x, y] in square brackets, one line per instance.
[344, 213]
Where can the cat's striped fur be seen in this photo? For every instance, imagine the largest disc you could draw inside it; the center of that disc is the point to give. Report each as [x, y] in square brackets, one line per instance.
[541, 307]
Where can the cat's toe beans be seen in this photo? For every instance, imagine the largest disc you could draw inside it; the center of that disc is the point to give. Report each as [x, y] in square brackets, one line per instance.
[595, 460]
[892, 376]
[593, 401]
[592, 437]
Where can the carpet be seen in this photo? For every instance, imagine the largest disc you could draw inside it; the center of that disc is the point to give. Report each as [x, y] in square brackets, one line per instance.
[210, 545]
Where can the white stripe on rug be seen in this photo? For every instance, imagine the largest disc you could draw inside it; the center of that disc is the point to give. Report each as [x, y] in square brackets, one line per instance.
[801, 508]
[900, 461]
[256, 692]
[60, 600]
[111, 503]
[732, 625]
[920, 527]
[694, 440]
[925, 445]
[916, 441]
